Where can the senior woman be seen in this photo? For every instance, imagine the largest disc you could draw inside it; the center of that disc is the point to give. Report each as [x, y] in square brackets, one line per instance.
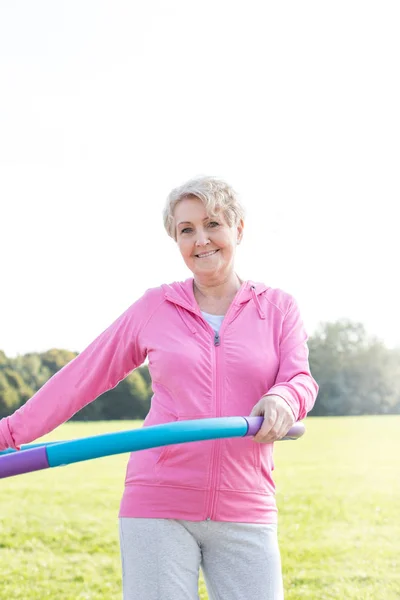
[217, 346]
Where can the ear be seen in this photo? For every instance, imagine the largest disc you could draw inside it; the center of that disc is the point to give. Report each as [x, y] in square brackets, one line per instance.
[240, 229]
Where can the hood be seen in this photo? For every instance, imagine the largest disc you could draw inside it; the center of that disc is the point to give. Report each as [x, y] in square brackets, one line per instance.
[181, 293]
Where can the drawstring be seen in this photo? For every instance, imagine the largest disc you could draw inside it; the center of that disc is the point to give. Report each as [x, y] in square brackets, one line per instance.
[257, 302]
[182, 310]
[183, 316]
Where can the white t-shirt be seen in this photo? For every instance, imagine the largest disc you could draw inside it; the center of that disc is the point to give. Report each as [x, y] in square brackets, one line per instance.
[214, 320]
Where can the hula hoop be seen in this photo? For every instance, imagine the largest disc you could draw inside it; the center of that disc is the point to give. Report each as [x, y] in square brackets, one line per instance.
[35, 457]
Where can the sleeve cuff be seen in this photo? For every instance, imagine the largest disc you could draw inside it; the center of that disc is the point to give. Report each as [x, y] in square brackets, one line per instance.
[6, 439]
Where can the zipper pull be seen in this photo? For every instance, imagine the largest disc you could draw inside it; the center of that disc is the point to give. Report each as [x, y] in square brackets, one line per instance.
[217, 339]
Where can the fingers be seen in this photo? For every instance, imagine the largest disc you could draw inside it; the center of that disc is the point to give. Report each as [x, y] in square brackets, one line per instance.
[278, 419]
[266, 432]
[274, 427]
[282, 428]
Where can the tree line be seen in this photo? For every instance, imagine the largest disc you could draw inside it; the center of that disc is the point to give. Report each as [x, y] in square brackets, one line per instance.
[357, 375]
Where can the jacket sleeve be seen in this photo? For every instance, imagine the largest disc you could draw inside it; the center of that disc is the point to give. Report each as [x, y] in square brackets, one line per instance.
[100, 367]
[294, 382]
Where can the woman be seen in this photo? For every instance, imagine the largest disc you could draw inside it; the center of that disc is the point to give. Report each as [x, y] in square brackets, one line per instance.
[217, 346]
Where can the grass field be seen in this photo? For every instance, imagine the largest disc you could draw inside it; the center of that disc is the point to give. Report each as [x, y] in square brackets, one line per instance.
[338, 496]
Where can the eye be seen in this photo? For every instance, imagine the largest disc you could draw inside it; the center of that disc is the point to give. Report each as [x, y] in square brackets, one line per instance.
[213, 224]
[186, 230]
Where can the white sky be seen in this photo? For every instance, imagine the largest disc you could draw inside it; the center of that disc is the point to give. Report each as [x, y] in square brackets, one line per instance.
[107, 105]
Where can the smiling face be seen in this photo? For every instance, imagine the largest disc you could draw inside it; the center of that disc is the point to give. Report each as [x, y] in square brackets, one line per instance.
[207, 243]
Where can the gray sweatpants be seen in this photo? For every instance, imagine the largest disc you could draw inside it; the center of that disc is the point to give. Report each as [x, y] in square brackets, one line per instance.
[161, 559]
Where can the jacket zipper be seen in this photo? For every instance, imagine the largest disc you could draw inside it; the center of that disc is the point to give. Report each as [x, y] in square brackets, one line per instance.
[218, 378]
[218, 394]
[216, 449]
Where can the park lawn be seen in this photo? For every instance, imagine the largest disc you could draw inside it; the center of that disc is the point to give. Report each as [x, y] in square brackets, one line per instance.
[338, 492]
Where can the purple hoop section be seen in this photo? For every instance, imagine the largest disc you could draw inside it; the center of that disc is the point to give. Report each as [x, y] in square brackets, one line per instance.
[24, 462]
[254, 424]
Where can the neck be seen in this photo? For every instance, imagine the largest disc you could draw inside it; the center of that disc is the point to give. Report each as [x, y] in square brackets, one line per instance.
[220, 288]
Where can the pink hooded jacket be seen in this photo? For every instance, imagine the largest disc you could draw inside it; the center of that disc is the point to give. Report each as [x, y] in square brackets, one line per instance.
[261, 348]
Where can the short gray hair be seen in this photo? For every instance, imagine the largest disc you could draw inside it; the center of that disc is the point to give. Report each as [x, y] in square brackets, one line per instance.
[216, 195]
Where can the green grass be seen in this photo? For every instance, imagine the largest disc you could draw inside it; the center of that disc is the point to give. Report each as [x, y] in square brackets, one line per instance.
[338, 497]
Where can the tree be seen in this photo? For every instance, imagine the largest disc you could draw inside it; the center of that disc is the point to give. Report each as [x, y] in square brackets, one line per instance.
[9, 396]
[356, 373]
[128, 400]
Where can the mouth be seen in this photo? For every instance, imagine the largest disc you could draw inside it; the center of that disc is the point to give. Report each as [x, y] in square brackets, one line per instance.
[206, 254]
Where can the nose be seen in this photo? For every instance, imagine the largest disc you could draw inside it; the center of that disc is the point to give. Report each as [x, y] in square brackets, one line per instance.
[202, 239]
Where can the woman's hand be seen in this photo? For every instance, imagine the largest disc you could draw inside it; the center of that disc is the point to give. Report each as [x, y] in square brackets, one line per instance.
[278, 418]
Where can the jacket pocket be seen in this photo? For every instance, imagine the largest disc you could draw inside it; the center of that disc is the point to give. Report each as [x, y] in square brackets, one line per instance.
[185, 465]
[240, 465]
